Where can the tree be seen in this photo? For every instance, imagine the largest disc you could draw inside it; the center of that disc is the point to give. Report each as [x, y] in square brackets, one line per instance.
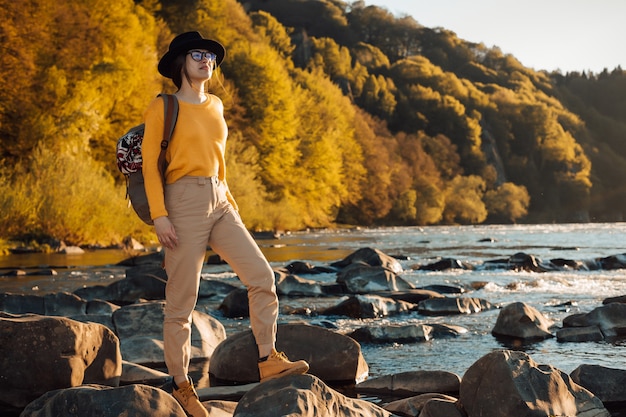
[464, 201]
[509, 202]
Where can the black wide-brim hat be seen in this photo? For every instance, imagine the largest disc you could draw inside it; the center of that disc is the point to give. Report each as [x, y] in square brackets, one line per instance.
[185, 42]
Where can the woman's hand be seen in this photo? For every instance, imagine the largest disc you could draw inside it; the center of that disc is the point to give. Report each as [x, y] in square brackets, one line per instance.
[165, 232]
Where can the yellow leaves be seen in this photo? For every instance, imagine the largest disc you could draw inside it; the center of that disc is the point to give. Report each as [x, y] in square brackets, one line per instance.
[508, 202]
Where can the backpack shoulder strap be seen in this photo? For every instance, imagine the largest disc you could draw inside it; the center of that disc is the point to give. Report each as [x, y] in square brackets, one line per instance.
[170, 110]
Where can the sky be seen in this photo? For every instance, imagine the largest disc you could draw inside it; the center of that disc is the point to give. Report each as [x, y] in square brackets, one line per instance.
[565, 35]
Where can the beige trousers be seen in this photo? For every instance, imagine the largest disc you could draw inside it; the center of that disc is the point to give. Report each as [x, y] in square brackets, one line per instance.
[201, 215]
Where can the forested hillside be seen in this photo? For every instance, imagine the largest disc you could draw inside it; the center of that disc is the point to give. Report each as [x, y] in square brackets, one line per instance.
[338, 112]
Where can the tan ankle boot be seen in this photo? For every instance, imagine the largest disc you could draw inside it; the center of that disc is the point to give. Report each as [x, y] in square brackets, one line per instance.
[277, 365]
[187, 397]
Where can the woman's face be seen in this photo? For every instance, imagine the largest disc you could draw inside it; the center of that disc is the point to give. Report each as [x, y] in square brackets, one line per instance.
[200, 64]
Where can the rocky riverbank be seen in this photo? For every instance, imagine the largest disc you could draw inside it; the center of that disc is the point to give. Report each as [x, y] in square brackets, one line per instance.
[98, 350]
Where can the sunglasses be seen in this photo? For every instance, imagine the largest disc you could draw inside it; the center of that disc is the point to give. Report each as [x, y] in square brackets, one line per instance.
[200, 55]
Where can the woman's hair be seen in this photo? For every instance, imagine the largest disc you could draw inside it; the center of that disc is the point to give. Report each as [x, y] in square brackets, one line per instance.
[178, 67]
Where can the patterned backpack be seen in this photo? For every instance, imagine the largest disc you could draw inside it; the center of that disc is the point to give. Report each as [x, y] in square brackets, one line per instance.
[129, 160]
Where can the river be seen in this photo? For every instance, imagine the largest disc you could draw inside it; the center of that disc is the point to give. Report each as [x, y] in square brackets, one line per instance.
[555, 294]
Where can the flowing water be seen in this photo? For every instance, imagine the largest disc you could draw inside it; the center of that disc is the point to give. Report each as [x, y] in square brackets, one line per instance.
[555, 294]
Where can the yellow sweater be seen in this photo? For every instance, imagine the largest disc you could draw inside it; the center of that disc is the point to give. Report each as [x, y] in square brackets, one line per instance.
[196, 148]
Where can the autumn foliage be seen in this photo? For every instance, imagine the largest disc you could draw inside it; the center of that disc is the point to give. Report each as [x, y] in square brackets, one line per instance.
[338, 113]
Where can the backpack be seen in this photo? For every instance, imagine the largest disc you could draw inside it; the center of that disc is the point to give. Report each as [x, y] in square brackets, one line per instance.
[129, 160]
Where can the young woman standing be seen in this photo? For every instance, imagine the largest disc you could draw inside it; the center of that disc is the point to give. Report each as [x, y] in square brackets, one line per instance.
[193, 207]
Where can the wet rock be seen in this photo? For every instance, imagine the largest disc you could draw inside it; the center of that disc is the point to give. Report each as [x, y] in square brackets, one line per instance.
[64, 304]
[360, 278]
[133, 373]
[608, 384]
[22, 304]
[372, 257]
[368, 306]
[438, 407]
[521, 321]
[235, 304]
[510, 383]
[618, 299]
[412, 383]
[140, 284]
[95, 400]
[445, 264]
[215, 288]
[292, 285]
[579, 334]
[444, 289]
[302, 395]
[332, 356]
[304, 268]
[413, 296]
[609, 318]
[409, 333]
[613, 262]
[155, 258]
[413, 406]
[140, 330]
[39, 354]
[450, 305]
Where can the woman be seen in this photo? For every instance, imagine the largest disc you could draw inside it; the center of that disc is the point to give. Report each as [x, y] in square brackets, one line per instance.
[193, 207]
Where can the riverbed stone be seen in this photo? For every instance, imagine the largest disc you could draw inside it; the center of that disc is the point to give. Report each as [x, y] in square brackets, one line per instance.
[372, 257]
[39, 354]
[445, 264]
[579, 334]
[302, 395]
[522, 321]
[293, 285]
[333, 357]
[439, 407]
[140, 330]
[369, 306]
[609, 318]
[608, 384]
[510, 383]
[408, 333]
[103, 401]
[128, 290]
[412, 383]
[412, 406]
[22, 304]
[453, 305]
[133, 373]
[361, 278]
[405, 333]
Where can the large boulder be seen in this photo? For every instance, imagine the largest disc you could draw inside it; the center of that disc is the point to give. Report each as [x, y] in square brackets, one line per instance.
[521, 321]
[54, 304]
[372, 257]
[508, 383]
[303, 396]
[412, 383]
[332, 357]
[361, 278]
[140, 330]
[609, 318]
[608, 384]
[39, 354]
[413, 406]
[369, 307]
[94, 400]
[293, 285]
[146, 283]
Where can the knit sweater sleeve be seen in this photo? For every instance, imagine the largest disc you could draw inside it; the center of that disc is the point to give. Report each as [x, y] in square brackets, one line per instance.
[150, 150]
